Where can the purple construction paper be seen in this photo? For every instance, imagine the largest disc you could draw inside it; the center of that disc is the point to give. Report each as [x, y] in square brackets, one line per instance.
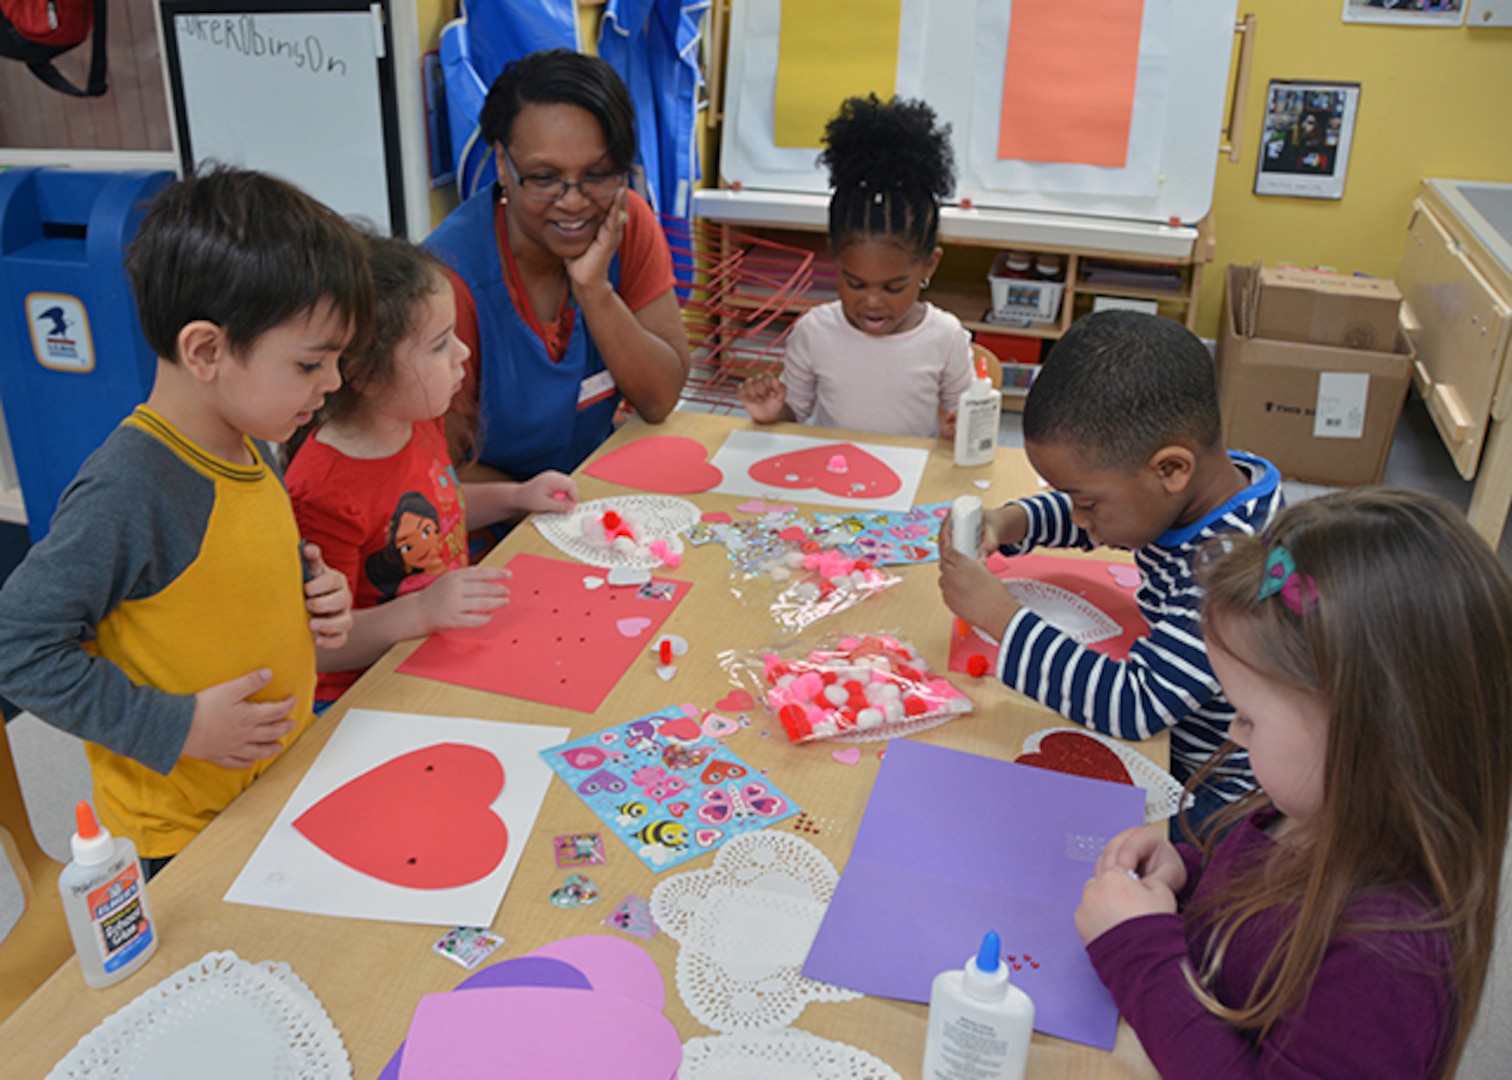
[953, 845]
[522, 971]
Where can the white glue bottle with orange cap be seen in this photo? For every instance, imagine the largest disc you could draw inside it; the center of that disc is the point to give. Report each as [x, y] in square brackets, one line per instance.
[105, 902]
[979, 411]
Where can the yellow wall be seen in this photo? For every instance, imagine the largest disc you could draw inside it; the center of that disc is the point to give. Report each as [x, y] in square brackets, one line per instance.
[1433, 102]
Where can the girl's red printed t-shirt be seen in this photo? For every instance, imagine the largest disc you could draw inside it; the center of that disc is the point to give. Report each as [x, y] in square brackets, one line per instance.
[391, 525]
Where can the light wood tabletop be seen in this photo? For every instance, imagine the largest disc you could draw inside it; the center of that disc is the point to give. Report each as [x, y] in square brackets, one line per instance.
[369, 975]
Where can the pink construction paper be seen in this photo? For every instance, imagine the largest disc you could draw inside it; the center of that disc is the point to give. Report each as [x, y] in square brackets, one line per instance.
[613, 965]
[670, 464]
[556, 642]
[486, 1034]
[1090, 579]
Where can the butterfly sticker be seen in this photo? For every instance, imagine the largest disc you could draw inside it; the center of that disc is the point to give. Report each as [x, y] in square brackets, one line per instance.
[733, 804]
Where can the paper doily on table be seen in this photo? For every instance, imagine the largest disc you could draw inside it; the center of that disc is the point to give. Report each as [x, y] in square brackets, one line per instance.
[661, 517]
[1084, 622]
[788, 1054]
[220, 1016]
[744, 927]
[1163, 793]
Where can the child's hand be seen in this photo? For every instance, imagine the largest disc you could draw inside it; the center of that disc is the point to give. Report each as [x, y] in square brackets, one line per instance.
[947, 424]
[232, 732]
[549, 492]
[1115, 896]
[764, 397]
[591, 269]
[464, 598]
[1006, 524]
[328, 598]
[1148, 853]
[973, 593]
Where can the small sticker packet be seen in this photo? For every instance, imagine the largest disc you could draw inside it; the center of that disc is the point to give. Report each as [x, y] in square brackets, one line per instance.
[633, 916]
[468, 945]
[579, 849]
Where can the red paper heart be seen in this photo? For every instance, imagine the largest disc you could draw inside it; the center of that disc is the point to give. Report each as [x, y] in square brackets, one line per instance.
[865, 477]
[423, 820]
[683, 729]
[670, 464]
[1078, 754]
[735, 701]
[716, 772]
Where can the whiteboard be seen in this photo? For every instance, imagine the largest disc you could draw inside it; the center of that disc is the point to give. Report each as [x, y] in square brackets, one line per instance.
[951, 54]
[303, 91]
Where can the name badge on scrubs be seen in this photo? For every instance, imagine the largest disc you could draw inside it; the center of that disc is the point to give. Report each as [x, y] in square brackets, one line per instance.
[595, 388]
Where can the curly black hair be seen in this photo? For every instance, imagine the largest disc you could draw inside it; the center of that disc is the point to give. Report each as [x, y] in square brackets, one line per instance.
[890, 164]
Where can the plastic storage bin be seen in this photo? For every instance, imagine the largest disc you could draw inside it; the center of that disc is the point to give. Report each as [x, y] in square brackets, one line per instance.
[1021, 301]
[73, 361]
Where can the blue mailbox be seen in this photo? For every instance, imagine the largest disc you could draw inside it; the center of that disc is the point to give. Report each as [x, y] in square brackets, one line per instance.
[73, 361]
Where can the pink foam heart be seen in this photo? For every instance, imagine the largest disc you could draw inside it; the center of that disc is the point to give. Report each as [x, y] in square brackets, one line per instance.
[633, 626]
[1125, 575]
[735, 701]
[670, 464]
[865, 476]
[851, 755]
[612, 965]
[422, 820]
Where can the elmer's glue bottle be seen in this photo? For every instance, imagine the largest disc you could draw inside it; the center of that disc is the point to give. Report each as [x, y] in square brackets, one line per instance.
[979, 1025]
[105, 902]
[979, 411]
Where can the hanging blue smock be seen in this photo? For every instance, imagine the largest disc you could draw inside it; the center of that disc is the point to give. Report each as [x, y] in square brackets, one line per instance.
[525, 399]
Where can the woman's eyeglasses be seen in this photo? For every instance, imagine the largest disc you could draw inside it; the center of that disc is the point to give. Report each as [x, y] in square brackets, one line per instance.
[549, 189]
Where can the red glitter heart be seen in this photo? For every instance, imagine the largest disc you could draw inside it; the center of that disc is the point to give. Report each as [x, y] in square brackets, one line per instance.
[1078, 754]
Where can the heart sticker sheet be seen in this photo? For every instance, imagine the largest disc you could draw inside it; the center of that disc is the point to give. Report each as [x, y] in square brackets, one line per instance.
[565, 637]
[667, 786]
[822, 471]
[889, 537]
[405, 818]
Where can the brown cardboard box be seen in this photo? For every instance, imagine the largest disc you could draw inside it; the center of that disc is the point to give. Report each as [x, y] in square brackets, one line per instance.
[1325, 309]
[1276, 396]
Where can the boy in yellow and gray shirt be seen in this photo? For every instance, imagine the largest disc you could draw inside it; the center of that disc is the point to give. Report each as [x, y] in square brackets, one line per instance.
[170, 616]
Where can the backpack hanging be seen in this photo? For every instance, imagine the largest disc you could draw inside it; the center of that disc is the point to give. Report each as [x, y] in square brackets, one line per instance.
[36, 31]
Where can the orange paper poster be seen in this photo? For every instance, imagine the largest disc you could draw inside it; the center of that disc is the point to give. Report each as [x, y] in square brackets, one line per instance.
[827, 52]
[1068, 84]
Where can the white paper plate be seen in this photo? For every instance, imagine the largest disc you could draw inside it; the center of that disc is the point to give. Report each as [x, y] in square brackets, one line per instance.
[662, 517]
[219, 1017]
[1162, 791]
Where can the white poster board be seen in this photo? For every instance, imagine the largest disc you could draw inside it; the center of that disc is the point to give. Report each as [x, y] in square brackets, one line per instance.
[302, 91]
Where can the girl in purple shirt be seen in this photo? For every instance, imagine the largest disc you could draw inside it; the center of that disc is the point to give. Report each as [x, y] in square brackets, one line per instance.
[1342, 924]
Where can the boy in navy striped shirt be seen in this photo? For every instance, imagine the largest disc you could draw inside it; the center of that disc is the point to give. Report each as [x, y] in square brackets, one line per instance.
[1122, 422]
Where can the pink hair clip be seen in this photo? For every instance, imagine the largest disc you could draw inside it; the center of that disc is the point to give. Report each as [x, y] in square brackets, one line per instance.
[1298, 591]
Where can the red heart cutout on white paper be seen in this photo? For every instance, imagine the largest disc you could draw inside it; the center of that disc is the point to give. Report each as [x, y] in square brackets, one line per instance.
[422, 820]
[670, 464]
[865, 477]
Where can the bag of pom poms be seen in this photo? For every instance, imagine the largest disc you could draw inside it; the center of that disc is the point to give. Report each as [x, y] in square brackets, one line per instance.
[815, 583]
[852, 687]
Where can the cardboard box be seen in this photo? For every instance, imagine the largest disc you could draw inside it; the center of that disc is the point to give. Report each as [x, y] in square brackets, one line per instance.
[1324, 414]
[1325, 309]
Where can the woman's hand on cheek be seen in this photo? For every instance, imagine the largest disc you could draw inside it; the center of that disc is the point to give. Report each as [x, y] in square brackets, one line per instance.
[1115, 896]
[591, 269]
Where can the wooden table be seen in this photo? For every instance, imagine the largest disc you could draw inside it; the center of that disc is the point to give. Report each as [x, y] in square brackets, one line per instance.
[369, 975]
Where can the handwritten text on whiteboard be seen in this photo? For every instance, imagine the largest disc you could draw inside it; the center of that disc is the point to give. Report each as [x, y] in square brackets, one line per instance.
[241, 34]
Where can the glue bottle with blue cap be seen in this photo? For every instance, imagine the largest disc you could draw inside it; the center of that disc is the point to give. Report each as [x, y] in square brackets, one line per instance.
[979, 1024]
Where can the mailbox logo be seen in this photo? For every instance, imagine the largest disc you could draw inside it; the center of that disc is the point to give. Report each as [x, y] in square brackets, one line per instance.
[60, 332]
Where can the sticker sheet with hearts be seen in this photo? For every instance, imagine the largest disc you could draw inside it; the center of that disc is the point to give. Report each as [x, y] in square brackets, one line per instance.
[889, 537]
[667, 786]
[774, 465]
[404, 818]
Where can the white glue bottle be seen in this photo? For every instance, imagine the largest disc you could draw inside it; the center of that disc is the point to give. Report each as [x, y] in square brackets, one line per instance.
[105, 902]
[979, 411]
[979, 1025]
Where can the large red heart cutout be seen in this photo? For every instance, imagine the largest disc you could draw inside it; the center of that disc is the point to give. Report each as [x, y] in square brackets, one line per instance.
[423, 820]
[1075, 753]
[670, 464]
[863, 477]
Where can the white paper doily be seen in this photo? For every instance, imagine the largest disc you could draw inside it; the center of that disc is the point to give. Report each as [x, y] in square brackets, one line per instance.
[744, 927]
[220, 1016]
[1084, 622]
[1162, 791]
[661, 517]
[788, 1054]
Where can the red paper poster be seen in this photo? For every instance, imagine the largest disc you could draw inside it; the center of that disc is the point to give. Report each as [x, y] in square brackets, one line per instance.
[558, 641]
[1068, 83]
[669, 464]
[1091, 600]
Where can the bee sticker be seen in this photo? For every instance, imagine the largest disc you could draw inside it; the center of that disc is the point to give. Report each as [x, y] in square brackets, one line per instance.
[661, 840]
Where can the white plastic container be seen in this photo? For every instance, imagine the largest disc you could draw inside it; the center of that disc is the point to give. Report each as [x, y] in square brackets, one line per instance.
[1022, 301]
[966, 525]
[979, 411]
[105, 902]
[979, 1025]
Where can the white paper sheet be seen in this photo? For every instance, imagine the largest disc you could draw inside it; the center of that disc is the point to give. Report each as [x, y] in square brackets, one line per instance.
[287, 871]
[743, 449]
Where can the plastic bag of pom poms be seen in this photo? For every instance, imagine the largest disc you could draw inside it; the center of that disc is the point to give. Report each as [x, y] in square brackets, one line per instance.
[852, 687]
[801, 586]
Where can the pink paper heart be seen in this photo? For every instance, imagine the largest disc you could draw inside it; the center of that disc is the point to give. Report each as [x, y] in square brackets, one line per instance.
[865, 476]
[670, 464]
[683, 729]
[794, 534]
[633, 626]
[735, 700]
[851, 755]
[719, 727]
[1125, 575]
